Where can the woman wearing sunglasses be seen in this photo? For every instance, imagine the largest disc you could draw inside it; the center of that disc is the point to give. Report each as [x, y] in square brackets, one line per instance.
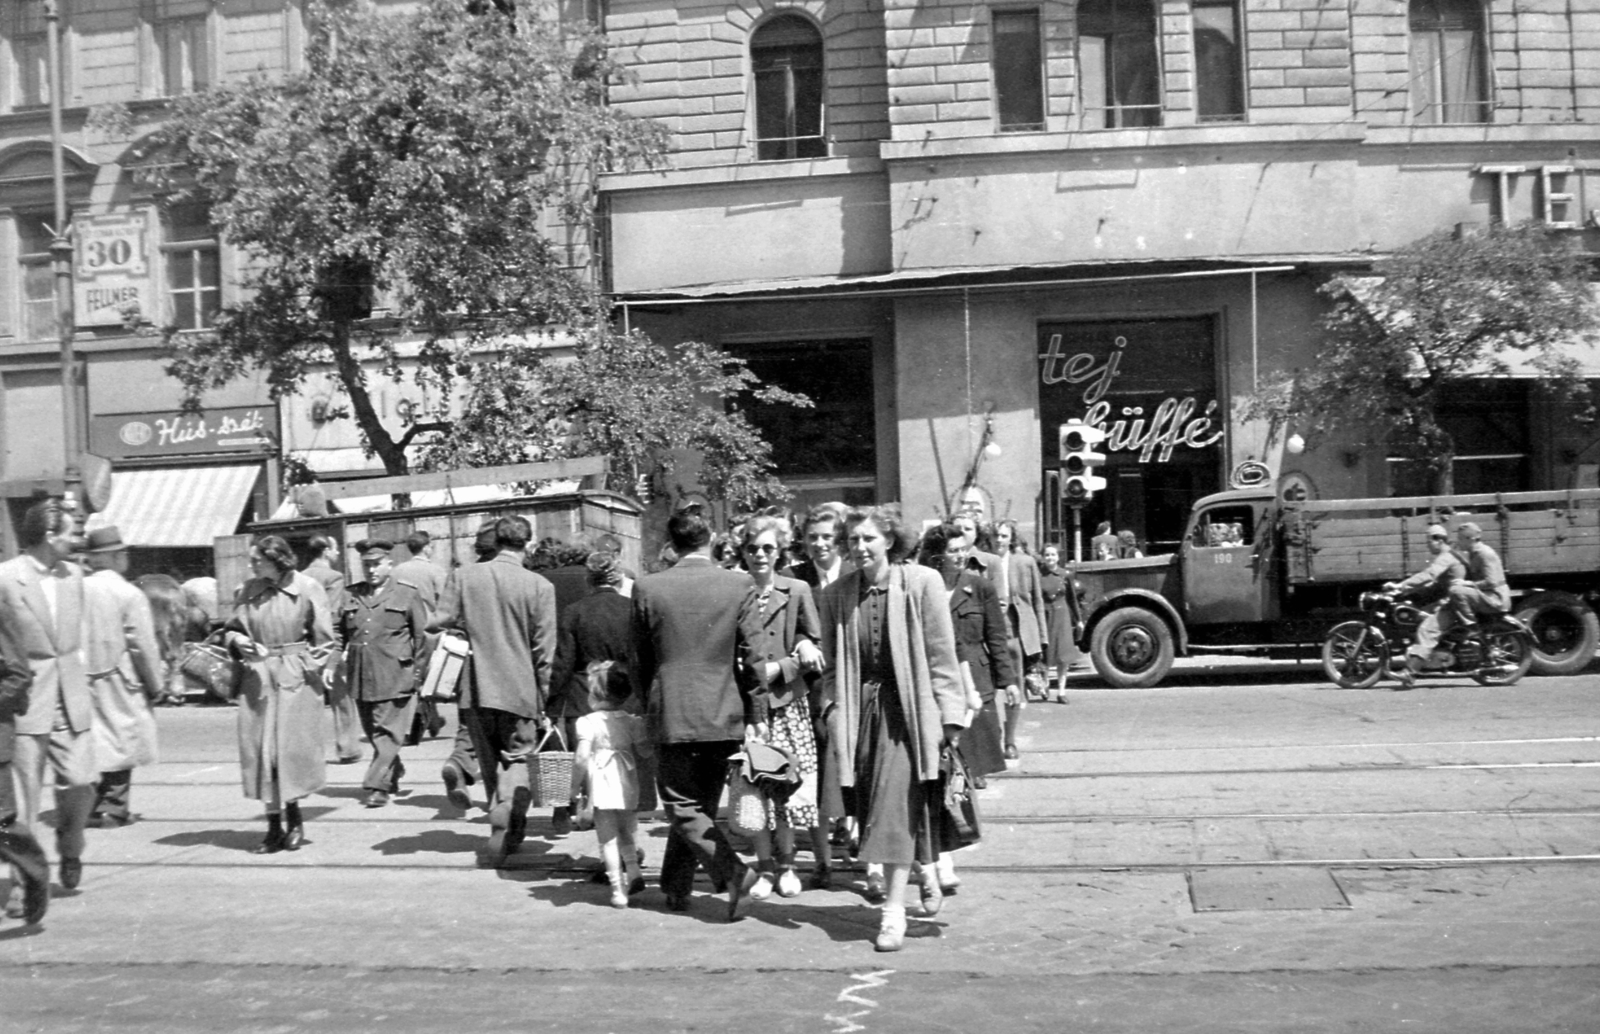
[780, 631]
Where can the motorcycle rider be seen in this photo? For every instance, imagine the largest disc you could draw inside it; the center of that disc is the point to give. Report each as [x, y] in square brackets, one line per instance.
[1441, 576]
[1484, 590]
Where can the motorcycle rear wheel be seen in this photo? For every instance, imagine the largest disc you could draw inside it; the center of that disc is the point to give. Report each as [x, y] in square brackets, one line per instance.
[1507, 656]
[1354, 656]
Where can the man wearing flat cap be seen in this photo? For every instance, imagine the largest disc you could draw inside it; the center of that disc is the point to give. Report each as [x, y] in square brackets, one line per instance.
[1484, 590]
[125, 675]
[382, 624]
[1432, 584]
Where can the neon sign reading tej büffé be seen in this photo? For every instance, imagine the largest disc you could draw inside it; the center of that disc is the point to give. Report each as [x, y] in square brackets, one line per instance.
[1172, 424]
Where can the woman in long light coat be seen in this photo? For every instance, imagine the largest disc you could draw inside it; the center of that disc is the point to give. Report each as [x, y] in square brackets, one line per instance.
[893, 693]
[282, 634]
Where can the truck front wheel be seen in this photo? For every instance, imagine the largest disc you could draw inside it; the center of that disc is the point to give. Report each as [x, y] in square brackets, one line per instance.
[1566, 632]
[1132, 648]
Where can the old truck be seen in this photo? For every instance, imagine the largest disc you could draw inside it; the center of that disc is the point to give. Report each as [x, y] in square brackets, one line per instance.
[1259, 575]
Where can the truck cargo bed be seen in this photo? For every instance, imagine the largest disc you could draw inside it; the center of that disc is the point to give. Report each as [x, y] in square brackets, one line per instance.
[1370, 540]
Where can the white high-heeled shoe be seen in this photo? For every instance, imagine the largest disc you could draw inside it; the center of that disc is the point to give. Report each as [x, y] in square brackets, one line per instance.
[891, 931]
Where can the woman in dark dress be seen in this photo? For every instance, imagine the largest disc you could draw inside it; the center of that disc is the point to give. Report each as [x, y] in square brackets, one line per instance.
[893, 693]
[980, 628]
[1061, 609]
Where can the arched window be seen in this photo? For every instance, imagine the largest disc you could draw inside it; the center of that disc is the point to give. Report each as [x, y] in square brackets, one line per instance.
[786, 56]
[1448, 60]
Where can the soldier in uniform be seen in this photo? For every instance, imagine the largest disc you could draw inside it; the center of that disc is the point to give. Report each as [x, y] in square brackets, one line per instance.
[382, 623]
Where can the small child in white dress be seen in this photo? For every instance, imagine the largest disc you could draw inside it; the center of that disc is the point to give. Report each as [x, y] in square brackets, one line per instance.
[605, 770]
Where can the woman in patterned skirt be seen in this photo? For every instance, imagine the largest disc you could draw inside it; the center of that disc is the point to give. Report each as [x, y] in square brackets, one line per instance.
[780, 632]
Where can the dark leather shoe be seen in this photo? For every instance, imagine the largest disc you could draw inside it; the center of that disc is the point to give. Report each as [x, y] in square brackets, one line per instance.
[271, 845]
[30, 895]
[677, 902]
[293, 838]
[821, 878]
[455, 783]
[1011, 752]
[740, 883]
[637, 886]
[71, 872]
[348, 759]
[374, 799]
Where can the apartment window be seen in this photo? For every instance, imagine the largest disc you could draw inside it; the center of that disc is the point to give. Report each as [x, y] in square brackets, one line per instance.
[193, 268]
[182, 55]
[36, 276]
[1218, 61]
[1118, 69]
[30, 79]
[1018, 71]
[786, 56]
[1448, 60]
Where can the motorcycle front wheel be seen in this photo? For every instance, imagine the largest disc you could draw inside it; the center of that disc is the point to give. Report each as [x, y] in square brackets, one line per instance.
[1507, 656]
[1354, 656]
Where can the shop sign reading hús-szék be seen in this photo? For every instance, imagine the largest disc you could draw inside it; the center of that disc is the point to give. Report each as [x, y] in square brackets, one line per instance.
[1172, 423]
[235, 429]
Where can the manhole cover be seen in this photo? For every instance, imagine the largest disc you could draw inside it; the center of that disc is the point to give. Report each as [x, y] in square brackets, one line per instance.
[1239, 889]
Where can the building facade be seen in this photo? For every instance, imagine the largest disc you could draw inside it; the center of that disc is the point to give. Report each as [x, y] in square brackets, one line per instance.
[960, 225]
[953, 226]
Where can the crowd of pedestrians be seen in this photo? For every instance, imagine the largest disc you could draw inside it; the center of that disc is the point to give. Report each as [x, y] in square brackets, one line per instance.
[854, 656]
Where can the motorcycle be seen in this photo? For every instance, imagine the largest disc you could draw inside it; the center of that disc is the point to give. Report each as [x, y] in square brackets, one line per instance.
[1494, 651]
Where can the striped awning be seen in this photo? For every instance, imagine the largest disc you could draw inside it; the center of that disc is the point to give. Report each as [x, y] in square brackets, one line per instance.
[181, 506]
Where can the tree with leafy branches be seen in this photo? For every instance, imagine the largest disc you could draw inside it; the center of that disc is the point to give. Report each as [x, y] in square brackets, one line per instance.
[1445, 310]
[627, 397]
[417, 158]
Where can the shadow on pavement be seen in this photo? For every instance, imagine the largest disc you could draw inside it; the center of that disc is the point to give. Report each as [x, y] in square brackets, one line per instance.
[227, 839]
[352, 792]
[435, 841]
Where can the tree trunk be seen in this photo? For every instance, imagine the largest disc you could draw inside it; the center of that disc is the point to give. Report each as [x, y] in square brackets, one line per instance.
[355, 385]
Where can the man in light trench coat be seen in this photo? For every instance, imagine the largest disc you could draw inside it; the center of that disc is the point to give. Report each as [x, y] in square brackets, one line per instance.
[125, 673]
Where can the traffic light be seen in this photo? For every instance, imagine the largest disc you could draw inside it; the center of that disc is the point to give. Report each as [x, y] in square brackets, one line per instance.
[1078, 460]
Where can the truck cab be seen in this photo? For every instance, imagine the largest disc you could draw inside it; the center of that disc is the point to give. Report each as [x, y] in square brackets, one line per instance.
[1220, 588]
[1230, 561]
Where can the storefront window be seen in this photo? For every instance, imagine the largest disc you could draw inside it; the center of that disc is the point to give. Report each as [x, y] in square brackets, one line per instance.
[1152, 386]
[830, 451]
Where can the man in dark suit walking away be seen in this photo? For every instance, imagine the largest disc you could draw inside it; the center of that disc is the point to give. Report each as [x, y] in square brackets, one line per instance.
[508, 614]
[686, 638]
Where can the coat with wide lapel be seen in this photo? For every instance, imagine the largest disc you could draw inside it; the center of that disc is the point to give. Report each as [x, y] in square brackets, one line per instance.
[54, 648]
[771, 637]
[980, 629]
[1026, 607]
[923, 644]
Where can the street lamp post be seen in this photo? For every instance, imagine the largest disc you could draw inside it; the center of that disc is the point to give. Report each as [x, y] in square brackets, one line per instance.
[61, 255]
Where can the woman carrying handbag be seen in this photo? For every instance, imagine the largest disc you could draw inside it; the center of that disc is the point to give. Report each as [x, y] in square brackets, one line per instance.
[893, 690]
[780, 631]
[282, 634]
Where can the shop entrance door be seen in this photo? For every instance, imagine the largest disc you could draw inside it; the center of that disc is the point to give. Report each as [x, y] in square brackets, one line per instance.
[1152, 386]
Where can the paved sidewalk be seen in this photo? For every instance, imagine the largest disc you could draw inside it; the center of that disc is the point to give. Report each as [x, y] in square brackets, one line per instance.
[390, 897]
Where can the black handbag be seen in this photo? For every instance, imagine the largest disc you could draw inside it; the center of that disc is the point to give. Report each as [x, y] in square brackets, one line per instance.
[961, 826]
